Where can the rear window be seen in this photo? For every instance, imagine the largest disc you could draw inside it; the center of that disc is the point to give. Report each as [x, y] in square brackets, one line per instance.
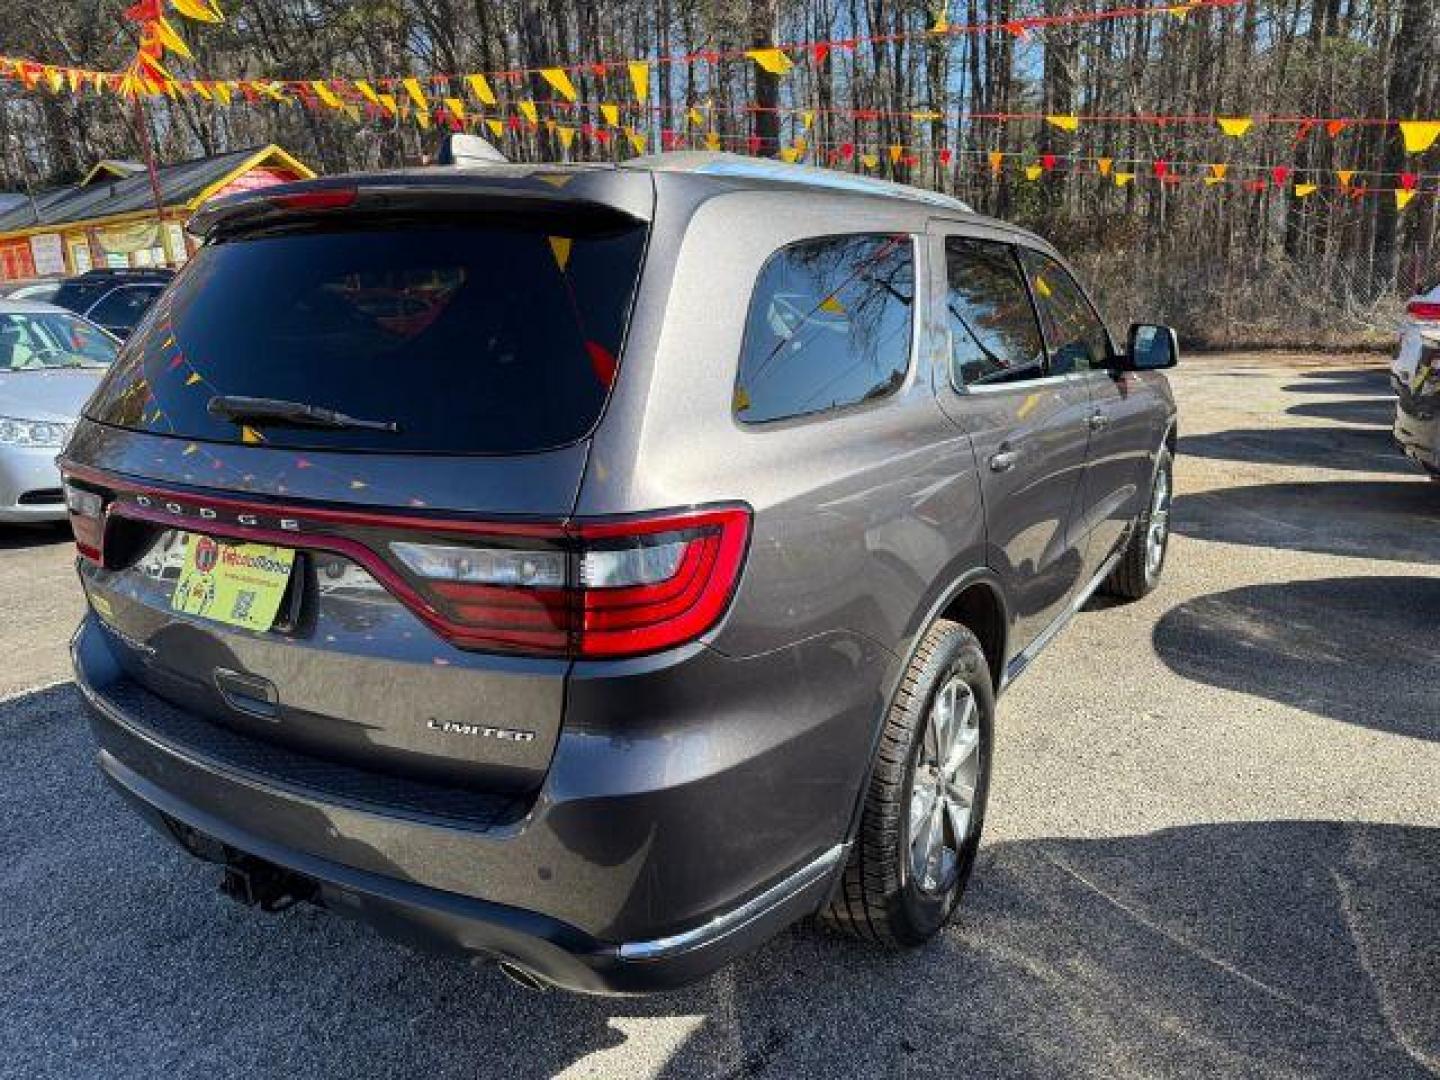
[468, 338]
[829, 327]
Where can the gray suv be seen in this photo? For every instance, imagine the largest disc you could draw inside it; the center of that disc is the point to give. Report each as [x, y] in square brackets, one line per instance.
[597, 569]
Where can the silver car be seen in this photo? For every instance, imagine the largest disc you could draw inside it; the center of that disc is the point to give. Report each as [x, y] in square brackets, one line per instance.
[50, 362]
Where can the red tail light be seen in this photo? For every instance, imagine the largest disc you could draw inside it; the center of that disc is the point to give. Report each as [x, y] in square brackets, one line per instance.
[87, 520]
[335, 198]
[604, 589]
[589, 589]
[1424, 310]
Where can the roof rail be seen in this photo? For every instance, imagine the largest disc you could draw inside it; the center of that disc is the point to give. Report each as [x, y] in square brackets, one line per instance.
[739, 165]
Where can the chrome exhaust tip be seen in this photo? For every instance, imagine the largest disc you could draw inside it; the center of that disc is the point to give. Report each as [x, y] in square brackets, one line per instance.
[521, 977]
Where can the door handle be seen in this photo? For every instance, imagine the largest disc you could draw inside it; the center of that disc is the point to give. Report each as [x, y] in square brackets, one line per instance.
[1097, 421]
[1004, 460]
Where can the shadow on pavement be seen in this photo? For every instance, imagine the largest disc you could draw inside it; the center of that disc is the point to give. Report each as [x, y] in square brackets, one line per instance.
[1297, 948]
[33, 536]
[1378, 519]
[1371, 381]
[1351, 448]
[1360, 650]
[1375, 412]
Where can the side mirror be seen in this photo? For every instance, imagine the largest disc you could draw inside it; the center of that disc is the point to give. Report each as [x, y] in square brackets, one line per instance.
[1151, 348]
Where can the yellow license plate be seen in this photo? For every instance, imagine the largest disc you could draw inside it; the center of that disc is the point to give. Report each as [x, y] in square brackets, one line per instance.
[236, 584]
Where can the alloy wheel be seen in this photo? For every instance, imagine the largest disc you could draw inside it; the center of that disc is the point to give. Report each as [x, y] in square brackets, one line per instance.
[942, 796]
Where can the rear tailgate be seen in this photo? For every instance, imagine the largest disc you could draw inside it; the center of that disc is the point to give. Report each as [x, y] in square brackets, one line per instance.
[344, 591]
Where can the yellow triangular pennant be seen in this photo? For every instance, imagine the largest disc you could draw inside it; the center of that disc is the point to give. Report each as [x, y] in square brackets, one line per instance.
[1302, 190]
[412, 87]
[1032, 172]
[997, 159]
[527, 110]
[560, 247]
[566, 135]
[712, 140]
[611, 113]
[869, 160]
[789, 154]
[557, 78]
[456, 107]
[695, 118]
[1402, 199]
[807, 119]
[1234, 126]
[639, 79]
[1123, 178]
[772, 60]
[1064, 123]
[496, 127]
[325, 94]
[480, 87]
[1419, 134]
[367, 91]
[638, 139]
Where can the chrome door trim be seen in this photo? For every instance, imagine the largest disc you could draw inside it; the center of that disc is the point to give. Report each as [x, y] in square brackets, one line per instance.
[1022, 660]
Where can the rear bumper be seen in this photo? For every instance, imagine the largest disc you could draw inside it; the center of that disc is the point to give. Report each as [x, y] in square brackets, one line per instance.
[636, 869]
[1417, 423]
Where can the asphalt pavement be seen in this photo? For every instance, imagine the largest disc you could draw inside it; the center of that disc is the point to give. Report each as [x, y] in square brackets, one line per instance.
[1213, 845]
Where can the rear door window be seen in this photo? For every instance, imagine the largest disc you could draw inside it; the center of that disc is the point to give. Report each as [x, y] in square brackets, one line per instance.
[1078, 338]
[468, 337]
[829, 326]
[993, 333]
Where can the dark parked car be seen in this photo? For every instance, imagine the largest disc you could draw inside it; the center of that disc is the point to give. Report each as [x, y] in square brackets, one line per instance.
[114, 299]
[597, 569]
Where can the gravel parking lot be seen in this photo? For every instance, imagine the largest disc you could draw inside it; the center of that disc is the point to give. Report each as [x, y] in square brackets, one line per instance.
[1213, 844]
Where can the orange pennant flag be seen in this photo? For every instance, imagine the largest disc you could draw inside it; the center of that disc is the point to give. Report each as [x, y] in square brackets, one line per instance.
[1105, 164]
[1345, 176]
[1219, 171]
[895, 151]
[997, 160]
[557, 78]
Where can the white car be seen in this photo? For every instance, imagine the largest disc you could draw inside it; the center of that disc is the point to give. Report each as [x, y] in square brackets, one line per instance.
[1422, 322]
[50, 362]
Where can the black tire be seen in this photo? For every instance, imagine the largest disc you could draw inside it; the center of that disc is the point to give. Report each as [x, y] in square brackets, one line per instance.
[1134, 575]
[878, 898]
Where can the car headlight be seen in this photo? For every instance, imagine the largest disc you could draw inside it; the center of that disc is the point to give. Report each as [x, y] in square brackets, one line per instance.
[39, 433]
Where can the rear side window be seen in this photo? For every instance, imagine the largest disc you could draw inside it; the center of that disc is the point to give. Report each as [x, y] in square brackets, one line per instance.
[1078, 339]
[468, 337]
[993, 333]
[125, 307]
[829, 326]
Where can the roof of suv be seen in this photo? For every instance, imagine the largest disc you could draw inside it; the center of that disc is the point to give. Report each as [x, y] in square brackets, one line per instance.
[595, 183]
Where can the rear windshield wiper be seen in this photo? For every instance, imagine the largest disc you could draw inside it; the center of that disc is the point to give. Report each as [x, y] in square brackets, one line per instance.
[261, 410]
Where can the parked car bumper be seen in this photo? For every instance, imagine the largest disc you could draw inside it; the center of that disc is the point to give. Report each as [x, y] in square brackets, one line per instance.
[634, 869]
[1417, 409]
[30, 485]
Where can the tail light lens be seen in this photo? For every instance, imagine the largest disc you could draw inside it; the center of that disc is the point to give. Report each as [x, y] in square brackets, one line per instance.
[1424, 310]
[606, 589]
[87, 520]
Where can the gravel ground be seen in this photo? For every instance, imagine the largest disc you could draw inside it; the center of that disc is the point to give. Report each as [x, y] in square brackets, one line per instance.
[1213, 844]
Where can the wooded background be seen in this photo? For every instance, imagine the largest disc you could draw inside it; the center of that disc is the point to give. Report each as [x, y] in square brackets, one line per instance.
[1225, 264]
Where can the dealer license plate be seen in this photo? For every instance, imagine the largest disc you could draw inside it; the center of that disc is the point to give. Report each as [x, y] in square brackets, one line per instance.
[232, 583]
